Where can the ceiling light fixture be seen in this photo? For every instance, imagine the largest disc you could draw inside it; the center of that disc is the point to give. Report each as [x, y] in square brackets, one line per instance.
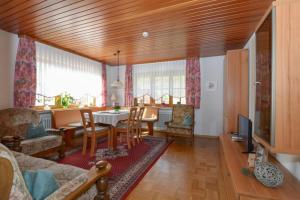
[117, 83]
[145, 34]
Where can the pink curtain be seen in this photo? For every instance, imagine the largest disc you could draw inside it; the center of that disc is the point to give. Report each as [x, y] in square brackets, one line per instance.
[25, 73]
[104, 85]
[128, 86]
[193, 82]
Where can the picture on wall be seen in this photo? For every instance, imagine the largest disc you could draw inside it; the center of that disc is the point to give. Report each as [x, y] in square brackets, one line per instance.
[211, 86]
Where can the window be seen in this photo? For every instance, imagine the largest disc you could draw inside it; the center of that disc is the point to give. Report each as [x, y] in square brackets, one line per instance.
[60, 72]
[164, 82]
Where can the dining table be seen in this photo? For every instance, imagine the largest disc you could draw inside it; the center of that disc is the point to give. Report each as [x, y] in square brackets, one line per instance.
[111, 118]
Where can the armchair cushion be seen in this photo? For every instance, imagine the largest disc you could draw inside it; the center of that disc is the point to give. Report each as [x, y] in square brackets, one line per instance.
[187, 120]
[15, 121]
[36, 131]
[35, 145]
[19, 189]
[40, 183]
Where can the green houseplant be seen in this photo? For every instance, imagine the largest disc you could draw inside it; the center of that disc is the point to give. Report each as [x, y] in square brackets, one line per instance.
[66, 100]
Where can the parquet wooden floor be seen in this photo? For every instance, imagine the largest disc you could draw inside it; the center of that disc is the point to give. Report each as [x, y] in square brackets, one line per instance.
[184, 172]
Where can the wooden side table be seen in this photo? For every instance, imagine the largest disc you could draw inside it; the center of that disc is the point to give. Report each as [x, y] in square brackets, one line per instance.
[68, 135]
[12, 142]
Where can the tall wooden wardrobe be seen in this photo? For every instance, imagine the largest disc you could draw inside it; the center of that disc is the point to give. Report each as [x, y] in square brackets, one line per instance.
[236, 89]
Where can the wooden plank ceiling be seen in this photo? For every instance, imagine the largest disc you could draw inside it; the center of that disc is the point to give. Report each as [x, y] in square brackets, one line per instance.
[98, 28]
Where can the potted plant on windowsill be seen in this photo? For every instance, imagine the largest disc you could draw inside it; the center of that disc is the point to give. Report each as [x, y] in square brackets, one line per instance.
[66, 100]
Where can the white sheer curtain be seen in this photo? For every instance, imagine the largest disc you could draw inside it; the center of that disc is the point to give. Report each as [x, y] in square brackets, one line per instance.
[59, 71]
[159, 79]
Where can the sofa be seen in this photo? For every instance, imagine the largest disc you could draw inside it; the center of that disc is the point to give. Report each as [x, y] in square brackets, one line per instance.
[74, 182]
[16, 121]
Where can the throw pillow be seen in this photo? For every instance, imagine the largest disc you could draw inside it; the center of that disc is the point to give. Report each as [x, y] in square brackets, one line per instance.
[36, 131]
[40, 183]
[19, 189]
[187, 120]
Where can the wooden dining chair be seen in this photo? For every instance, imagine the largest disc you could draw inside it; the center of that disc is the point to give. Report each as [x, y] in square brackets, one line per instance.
[138, 124]
[127, 127]
[91, 130]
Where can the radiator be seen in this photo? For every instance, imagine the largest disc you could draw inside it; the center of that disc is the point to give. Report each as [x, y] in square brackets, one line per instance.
[46, 119]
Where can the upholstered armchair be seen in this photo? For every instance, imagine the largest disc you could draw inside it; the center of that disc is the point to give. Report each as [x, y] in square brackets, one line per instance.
[73, 182]
[182, 123]
[16, 121]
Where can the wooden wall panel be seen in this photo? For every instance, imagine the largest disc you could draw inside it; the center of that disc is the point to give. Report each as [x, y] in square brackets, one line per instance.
[287, 128]
[97, 28]
[236, 88]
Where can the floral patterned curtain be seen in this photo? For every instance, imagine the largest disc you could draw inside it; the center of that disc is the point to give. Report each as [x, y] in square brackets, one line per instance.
[25, 73]
[104, 85]
[193, 82]
[128, 86]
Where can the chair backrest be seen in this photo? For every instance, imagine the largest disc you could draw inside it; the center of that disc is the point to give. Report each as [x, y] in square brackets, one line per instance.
[87, 119]
[15, 121]
[132, 116]
[140, 114]
[151, 112]
[179, 111]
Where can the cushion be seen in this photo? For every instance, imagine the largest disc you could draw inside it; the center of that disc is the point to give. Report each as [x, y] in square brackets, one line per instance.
[19, 189]
[98, 128]
[36, 145]
[36, 131]
[187, 120]
[40, 183]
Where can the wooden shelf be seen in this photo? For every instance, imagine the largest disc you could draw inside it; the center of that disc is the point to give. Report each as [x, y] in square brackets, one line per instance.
[247, 187]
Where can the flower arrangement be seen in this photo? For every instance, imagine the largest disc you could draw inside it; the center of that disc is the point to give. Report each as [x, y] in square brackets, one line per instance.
[117, 108]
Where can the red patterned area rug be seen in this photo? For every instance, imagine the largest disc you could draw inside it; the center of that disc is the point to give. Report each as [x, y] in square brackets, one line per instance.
[128, 166]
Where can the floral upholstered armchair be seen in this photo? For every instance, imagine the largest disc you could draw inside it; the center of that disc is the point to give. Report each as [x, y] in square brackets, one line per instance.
[16, 122]
[182, 123]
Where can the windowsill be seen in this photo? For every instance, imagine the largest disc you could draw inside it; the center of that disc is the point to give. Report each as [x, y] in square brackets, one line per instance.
[72, 107]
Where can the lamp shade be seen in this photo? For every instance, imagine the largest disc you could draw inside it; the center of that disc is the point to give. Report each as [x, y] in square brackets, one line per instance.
[113, 98]
[117, 84]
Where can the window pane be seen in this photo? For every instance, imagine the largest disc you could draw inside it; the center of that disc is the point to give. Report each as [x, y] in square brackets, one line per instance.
[61, 72]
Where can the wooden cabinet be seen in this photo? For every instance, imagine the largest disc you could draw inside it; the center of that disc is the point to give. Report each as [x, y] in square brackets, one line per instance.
[284, 131]
[241, 187]
[235, 88]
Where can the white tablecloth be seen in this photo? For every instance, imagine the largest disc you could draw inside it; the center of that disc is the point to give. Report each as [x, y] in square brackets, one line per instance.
[109, 117]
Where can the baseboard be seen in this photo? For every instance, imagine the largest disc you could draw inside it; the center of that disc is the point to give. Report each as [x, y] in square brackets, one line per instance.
[206, 136]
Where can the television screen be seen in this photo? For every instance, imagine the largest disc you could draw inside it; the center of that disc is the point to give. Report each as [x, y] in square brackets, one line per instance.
[245, 131]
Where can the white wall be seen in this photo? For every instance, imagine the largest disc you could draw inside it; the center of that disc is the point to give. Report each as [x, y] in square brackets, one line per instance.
[209, 118]
[8, 51]
[291, 162]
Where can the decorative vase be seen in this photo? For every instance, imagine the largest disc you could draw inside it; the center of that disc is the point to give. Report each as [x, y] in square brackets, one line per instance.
[268, 174]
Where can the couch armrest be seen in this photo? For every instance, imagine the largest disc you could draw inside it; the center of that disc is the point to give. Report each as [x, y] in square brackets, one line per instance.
[54, 131]
[96, 175]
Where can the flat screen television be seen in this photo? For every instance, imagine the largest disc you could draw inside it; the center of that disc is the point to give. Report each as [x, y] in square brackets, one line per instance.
[245, 132]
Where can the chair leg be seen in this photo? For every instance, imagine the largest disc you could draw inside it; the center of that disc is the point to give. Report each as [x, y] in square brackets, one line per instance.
[132, 136]
[140, 134]
[128, 139]
[137, 135]
[192, 140]
[93, 144]
[85, 137]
